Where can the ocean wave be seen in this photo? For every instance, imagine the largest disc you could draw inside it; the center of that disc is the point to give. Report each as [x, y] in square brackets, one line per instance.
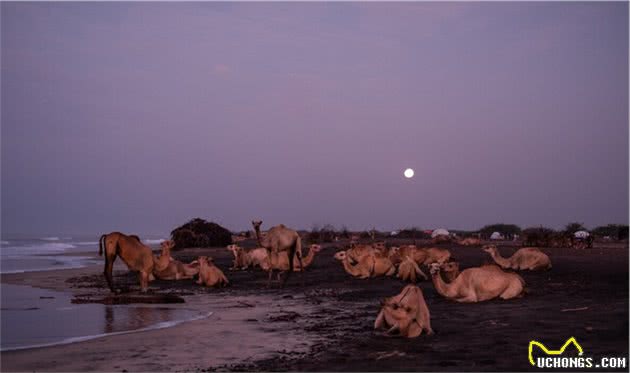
[4, 242]
[86, 243]
[151, 242]
[161, 325]
[50, 239]
[38, 249]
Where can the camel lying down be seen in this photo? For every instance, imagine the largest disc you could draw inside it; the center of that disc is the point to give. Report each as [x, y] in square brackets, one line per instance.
[526, 258]
[209, 274]
[478, 284]
[167, 268]
[407, 313]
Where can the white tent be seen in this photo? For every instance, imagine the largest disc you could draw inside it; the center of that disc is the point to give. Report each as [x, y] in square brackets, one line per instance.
[394, 233]
[581, 234]
[439, 232]
[496, 236]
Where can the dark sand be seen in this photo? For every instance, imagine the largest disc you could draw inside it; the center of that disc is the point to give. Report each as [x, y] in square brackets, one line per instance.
[326, 324]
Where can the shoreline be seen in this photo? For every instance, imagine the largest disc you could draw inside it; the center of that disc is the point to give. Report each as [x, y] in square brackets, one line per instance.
[185, 345]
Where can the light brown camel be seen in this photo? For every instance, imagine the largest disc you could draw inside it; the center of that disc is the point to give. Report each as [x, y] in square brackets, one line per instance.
[210, 274]
[469, 241]
[478, 284]
[367, 266]
[167, 268]
[436, 255]
[356, 252]
[396, 254]
[526, 258]
[279, 239]
[407, 313]
[408, 270]
[137, 256]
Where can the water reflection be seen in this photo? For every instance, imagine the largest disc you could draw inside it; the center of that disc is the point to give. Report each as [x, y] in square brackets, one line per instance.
[121, 318]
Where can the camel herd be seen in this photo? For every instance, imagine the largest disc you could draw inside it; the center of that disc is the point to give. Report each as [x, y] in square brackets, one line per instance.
[280, 249]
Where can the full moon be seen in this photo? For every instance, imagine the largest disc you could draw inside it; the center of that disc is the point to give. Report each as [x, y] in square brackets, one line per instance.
[408, 173]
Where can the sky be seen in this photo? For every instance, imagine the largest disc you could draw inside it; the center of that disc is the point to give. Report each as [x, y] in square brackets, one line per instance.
[140, 116]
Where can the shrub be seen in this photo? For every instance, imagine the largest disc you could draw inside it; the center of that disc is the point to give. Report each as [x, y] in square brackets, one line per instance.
[200, 233]
[507, 230]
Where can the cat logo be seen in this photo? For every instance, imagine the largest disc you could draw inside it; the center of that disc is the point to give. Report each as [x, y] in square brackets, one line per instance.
[547, 351]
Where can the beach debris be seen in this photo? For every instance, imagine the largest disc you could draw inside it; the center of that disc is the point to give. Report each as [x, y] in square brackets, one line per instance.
[200, 233]
[130, 299]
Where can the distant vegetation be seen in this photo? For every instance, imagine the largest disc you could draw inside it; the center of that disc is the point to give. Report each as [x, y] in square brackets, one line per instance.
[507, 230]
[614, 231]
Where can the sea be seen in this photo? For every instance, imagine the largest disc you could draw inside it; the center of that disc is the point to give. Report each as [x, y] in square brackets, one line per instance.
[32, 317]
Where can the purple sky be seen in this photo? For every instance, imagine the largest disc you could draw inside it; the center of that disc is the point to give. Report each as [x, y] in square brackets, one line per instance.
[139, 116]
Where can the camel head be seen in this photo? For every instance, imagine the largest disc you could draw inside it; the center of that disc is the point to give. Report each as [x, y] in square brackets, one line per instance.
[450, 267]
[233, 248]
[435, 269]
[169, 244]
[316, 248]
[256, 224]
[204, 261]
[340, 255]
[490, 249]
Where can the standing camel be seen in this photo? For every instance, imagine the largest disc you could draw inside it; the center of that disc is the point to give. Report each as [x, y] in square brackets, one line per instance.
[137, 256]
[279, 239]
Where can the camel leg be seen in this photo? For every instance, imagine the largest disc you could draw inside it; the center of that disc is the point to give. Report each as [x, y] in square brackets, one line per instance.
[269, 278]
[291, 254]
[144, 281]
[109, 265]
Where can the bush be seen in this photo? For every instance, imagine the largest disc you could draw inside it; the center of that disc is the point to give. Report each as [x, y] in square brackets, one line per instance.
[538, 236]
[614, 231]
[200, 233]
[413, 233]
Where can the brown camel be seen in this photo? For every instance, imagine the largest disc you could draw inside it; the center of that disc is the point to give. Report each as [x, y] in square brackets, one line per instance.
[367, 266]
[526, 258]
[210, 274]
[449, 271]
[408, 270]
[280, 239]
[478, 284]
[469, 241]
[406, 313]
[167, 268]
[137, 256]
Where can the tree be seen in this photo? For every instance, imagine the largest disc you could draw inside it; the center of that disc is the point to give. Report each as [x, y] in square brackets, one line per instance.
[507, 230]
[614, 231]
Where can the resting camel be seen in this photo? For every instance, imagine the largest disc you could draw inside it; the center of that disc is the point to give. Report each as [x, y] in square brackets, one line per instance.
[436, 255]
[408, 270]
[396, 254]
[167, 268]
[367, 266]
[469, 241]
[280, 239]
[449, 271]
[356, 252]
[406, 313]
[209, 274]
[530, 258]
[478, 284]
[137, 256]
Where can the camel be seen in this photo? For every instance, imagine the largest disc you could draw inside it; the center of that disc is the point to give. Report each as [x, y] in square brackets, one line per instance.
[478, 284]
[209, 274]
[167, 268]
[367, 266]
[440, 239]
[436, 255]
[526, 258]
[408, 270]
[279, 239]
[469, 241]
[406, 313]
[281, 260]
[421, 256]
[356, 252]
[137, 256]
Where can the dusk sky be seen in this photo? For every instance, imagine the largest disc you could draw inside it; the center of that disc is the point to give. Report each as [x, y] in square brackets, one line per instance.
[139, 116]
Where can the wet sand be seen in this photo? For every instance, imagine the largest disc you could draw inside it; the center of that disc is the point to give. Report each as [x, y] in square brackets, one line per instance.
[326, 324]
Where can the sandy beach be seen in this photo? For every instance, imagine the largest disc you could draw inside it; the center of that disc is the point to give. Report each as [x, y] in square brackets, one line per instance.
[327, 323]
